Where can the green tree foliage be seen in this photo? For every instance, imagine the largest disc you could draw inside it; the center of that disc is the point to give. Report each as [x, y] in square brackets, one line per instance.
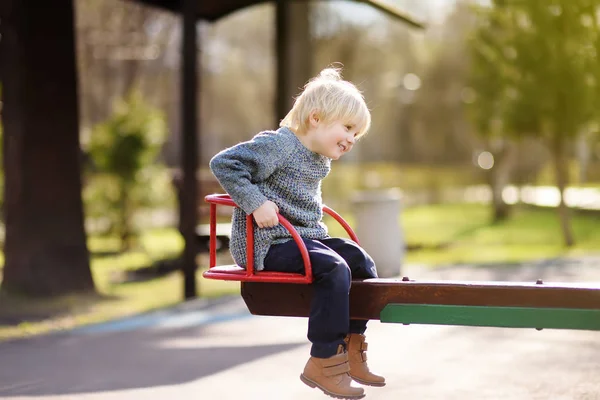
[493, 82]
[124, 151]
[535, 73]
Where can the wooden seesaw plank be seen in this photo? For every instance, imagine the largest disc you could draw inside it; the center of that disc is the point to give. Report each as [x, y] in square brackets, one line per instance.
[368, 298]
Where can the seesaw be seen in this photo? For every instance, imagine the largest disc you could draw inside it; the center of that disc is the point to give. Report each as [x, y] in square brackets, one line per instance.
[468, 303]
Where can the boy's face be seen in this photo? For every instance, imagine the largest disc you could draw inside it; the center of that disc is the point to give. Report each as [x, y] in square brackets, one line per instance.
[333, 140]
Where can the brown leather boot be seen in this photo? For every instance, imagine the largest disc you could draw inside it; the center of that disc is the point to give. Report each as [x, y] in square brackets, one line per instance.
[331, 376]
[357, 358]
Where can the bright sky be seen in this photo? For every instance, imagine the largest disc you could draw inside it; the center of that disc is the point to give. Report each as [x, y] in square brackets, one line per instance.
[431, 11]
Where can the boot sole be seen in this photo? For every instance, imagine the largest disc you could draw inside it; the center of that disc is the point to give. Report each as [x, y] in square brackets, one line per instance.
[313, 385]
[362, 382]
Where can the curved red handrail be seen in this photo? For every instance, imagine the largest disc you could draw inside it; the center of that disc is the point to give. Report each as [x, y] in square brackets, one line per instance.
[225, 199]
[342, 222]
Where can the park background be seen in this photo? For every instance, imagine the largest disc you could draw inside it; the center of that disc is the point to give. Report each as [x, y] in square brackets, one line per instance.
[482, 120]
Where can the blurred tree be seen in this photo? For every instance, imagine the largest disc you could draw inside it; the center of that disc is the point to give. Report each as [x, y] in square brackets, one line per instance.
[125, 150]
[1, 158]
[442, 134]
[546, 64]
[376, 55]
[45, 247]
[591, 137]
[490, 82]
[238, 68]
[123, 46]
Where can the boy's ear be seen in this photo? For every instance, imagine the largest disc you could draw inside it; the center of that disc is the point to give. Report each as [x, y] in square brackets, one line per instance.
[314, 118]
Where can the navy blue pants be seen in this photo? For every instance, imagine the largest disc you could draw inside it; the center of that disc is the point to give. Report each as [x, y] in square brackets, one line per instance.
[335, 261]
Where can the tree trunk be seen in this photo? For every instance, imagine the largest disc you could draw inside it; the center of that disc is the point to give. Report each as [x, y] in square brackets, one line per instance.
[584, 154]
[561, 166]
[45, 249]
[499, 179]
[125, 223]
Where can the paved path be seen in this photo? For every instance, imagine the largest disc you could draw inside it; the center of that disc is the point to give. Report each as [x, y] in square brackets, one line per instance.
[218, 351]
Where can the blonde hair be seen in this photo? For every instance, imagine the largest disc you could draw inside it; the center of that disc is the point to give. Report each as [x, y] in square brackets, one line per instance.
[334, 99]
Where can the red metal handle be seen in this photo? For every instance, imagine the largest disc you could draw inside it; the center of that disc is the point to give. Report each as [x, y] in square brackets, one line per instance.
[225, 199]
[342, 222]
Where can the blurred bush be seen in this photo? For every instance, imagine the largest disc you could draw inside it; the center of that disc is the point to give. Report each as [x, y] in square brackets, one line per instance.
[125, 175]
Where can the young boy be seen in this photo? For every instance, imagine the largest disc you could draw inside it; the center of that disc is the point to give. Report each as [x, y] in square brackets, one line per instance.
[281, 172]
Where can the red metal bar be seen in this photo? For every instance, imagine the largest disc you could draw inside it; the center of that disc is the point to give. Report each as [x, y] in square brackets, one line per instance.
[222, 199]
[250, 275]
[342, 222]
[303, 250]
[213, 235]
[249, 245]
[260, 276]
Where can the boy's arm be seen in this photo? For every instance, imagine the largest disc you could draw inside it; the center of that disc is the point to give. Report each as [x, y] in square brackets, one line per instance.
[239, 168]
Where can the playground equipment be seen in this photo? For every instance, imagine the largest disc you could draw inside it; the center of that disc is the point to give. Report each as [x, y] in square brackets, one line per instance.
[469, 303]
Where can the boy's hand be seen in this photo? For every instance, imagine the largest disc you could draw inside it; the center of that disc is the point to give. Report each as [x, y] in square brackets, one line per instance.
[266, 215]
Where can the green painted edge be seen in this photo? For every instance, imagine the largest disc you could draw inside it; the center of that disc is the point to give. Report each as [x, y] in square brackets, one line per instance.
[502, 317]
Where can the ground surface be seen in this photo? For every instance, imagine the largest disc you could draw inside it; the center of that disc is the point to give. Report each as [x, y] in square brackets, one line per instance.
[216, 350]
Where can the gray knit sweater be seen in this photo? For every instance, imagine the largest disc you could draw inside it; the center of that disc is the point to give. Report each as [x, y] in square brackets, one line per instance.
[274, 166]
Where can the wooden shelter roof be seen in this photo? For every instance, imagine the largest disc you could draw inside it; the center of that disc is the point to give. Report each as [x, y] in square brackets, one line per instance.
[212, 10]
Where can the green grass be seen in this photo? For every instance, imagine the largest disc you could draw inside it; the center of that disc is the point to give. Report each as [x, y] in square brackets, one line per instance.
[461, 233]
[115, 299]
[439, 234]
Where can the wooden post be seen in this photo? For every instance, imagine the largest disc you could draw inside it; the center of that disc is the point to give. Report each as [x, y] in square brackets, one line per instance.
[189, 146]
[293, 53]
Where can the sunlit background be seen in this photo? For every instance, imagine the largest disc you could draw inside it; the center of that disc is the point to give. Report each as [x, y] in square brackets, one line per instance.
[483, 122]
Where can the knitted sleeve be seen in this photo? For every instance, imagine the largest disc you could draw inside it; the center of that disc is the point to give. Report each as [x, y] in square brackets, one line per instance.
[240, 168]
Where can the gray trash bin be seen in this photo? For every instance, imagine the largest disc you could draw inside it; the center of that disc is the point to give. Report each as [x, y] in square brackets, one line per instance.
[378, 229]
